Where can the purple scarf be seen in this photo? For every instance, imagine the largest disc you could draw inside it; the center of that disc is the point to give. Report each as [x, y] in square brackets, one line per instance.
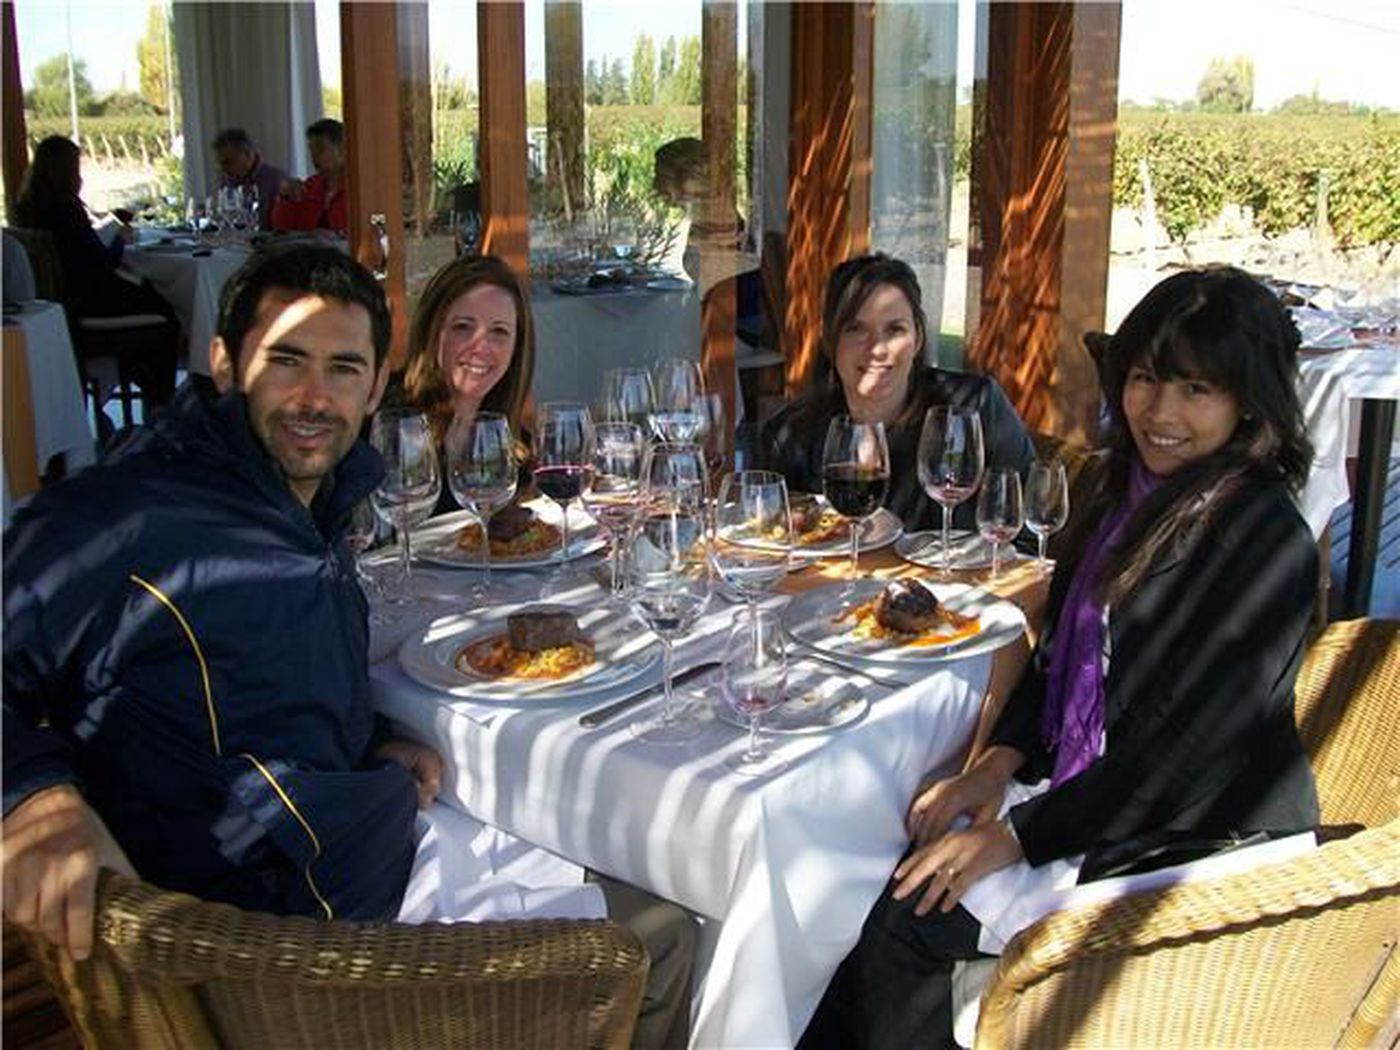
[1073, 720]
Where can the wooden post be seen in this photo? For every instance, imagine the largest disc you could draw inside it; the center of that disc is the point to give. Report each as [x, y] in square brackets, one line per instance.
[373, 154]
[719, 73]
[563, 72]
[416, 105]
[505, 193]
[13, 134]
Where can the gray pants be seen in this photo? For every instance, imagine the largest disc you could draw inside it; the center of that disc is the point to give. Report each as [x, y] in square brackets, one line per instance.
[667, 932]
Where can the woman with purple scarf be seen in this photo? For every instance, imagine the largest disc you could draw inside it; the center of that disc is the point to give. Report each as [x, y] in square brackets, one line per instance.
[1155, 720]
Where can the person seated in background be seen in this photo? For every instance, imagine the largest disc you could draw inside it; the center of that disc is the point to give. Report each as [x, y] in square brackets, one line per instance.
[186, 688]
[245, 169]
[49, 200]
[680, 178]
[1155, 723]
[320, 202]
[873, 340]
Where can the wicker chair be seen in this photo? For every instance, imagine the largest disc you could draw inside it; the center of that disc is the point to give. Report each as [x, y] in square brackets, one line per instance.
[1297, 954]
[170, 971]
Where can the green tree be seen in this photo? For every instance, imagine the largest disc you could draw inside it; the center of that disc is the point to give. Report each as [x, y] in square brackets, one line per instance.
[156, 79]
[666, 70]
[125, 104]
[615, 84]
[49, 95]
[643, 71]
[1228, 86]
[593, 84]
[685, 87]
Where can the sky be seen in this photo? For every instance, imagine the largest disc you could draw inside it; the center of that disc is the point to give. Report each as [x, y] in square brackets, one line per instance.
[1344, 49]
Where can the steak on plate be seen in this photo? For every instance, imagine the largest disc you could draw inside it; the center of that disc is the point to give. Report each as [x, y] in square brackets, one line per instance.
[906, 606]
[806, 512]
[509, 522]
[534, 630]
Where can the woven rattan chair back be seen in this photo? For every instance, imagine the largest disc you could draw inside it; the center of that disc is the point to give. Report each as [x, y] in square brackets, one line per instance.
[1277, 957]
[1348, 711]
[170, 972]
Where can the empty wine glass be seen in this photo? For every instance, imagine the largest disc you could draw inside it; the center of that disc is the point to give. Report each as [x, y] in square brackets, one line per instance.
[855, 474]
[679, 391]
[753, 680]
[361, 534]
[713, 437]
[481, 474]
[753, 533]
[613, 496]
[412, 482]
[670, 587]
[671, 466]
[999, 517]
[563, 463]
[950, 461]
[628, 396]
[1047, 504]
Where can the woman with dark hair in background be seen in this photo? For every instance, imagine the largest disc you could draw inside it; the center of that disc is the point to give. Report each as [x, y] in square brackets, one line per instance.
[1156, 718]
[873, 339]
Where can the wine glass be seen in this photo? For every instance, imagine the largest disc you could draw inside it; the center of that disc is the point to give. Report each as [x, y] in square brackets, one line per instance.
[671, 466]
[950, 463]
[481, 474]
[361, 534]
[670, 587]
[855, 474]
[412, 482]
[614, 491]
[999, 517]
[679, 390]
[628, 396]
[563, 463]
[1047, 503]
[714, 435]
[753, 533]
[753, 680]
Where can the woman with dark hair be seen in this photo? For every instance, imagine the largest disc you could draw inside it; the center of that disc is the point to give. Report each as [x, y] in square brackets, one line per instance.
[49, 201]
[471, 347]
[1156, 718]
[873, 339]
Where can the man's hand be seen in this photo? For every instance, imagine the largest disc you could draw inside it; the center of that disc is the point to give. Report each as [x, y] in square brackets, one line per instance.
[54, 846]
[975, 794]
[954, 863]
[292, 189]
[421, 761]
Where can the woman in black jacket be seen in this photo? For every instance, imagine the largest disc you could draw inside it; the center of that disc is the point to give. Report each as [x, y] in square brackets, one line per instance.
[873, 340]
[1158, 710]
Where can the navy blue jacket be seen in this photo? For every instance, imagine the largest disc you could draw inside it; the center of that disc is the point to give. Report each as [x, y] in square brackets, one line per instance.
[187, 642]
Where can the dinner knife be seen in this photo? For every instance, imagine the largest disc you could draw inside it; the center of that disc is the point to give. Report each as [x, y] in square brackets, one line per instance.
[806, 652]
[593, 719]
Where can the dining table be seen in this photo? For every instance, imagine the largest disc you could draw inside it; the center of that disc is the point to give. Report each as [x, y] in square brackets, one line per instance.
[61, 424]
[780, 867]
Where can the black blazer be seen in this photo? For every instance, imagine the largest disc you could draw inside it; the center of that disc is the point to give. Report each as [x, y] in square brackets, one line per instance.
[1200, 739]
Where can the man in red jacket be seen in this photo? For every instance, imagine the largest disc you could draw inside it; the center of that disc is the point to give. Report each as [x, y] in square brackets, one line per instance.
[319, 203]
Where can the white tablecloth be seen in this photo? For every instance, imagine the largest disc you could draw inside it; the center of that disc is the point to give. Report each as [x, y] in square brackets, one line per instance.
[787, 866]
[1328, 384]
[191, 284]
[60, 416]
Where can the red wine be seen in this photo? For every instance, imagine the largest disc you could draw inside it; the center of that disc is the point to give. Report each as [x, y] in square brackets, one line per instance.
[562, 483]
[855, 491]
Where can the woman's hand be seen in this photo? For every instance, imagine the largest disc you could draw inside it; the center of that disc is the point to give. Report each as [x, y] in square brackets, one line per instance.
[975, 794]
[421, 761]
[953, 863]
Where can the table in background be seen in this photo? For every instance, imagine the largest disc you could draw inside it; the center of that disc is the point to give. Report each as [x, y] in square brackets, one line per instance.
[191, 284]
[784, 868]
[60, 415]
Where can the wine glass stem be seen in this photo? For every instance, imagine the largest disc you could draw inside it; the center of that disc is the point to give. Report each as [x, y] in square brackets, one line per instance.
[668, 712]
[564, 550]
[614, 555]
[486, 551]
[996, 559]
[754, 753]
[1040, 539]
[855, 549]
[947, 541]
[405, 556]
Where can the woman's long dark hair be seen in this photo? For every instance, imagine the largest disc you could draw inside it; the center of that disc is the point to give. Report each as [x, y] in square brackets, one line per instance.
[52, 176]
[1220, 325]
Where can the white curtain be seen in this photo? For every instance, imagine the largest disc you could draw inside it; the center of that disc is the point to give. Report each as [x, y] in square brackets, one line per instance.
[252, 66]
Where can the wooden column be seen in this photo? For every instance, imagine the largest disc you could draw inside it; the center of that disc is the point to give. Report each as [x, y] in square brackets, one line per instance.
[505, 197]
[829, 165]
[13, 148]
[1042, 202]
[563, 74]
[719, 75]
[416, 107]
[373, 155]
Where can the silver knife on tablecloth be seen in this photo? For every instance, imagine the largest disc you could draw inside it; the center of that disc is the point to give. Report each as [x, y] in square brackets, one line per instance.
[593, 719]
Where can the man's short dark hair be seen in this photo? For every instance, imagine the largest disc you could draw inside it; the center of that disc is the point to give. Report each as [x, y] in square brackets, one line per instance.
[319, 270]
[329, 129]
[233, 137]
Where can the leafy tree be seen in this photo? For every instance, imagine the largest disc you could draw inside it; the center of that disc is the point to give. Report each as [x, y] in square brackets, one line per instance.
[685, 86]
[49, 95]
[1228, 86]
[125, 104]
[593, 84]
[643, 71]
[615, 84]
[666, 70]
[150, 60]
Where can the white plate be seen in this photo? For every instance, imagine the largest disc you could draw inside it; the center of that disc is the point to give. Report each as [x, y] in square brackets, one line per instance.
[879, 530]
[969, 550]
[669, 284]
[435, 542]
[809, 618]
[621, 653]
[812, 707]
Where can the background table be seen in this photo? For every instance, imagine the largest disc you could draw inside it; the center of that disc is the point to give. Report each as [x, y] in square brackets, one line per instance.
[784, 868]
[60, 415]
[191, 284]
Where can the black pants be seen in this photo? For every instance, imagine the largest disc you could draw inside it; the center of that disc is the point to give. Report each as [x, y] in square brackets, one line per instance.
[894, 990]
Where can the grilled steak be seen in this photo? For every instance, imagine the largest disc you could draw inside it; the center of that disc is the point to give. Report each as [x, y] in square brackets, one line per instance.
[509, 522]
[907, 607]
[806, 512]
[534, 630]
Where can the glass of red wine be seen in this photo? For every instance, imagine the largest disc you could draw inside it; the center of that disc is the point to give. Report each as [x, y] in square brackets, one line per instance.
[564, 453]
[951, 461]
[999, 512]
[855, 474]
